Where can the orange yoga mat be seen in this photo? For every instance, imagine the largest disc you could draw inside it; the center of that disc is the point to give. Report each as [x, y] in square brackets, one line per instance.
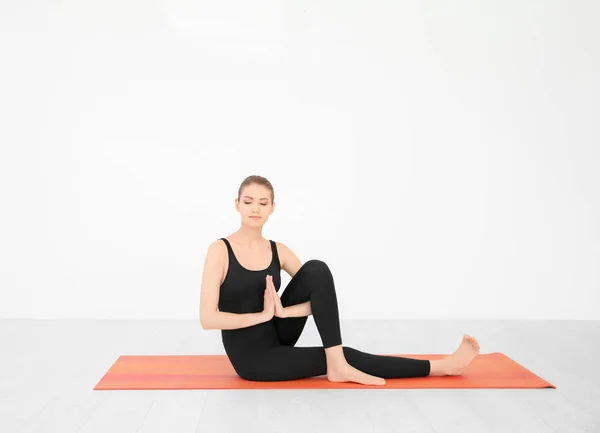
[491, 370]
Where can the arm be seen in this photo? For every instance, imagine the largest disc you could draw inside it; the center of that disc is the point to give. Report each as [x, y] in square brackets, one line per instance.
[298, 310]
[210, 317]
[291, 264]
[226, 320]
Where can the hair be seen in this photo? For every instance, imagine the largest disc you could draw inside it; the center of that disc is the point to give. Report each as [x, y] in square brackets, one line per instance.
[259, 180]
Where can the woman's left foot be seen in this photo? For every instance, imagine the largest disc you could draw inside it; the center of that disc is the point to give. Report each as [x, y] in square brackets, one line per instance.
[463, 356]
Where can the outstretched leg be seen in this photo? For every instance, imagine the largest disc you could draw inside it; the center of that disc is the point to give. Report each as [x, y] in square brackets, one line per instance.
[386, 366]
[289, 363]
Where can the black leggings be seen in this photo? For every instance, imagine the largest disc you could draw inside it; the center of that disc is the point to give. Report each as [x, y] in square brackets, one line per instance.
[278, 359]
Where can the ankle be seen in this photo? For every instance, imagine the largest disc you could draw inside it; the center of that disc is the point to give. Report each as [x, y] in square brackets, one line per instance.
[439, 367]
[335, 357]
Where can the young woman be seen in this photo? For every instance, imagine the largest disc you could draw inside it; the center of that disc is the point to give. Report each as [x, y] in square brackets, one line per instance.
[259, 329]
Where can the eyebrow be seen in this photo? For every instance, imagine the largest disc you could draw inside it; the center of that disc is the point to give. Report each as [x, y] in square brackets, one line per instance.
[262, 198]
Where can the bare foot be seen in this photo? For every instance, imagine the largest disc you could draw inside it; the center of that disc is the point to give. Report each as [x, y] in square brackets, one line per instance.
[347, 373]
[462, 357]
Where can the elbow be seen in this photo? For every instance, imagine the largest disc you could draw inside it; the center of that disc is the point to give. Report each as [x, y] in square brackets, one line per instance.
[206, 320]
[205, 323]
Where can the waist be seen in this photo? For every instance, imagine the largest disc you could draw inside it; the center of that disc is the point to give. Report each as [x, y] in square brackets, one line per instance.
[249, 339]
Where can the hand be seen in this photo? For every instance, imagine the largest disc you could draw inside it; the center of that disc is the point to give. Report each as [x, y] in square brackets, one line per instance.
[269, 304]
[279, 309]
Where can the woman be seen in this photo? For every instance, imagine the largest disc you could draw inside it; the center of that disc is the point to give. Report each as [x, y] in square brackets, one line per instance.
[259, 329]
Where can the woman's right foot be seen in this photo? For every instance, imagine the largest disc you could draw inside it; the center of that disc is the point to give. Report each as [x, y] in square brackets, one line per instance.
[463, 356]
[347, 373]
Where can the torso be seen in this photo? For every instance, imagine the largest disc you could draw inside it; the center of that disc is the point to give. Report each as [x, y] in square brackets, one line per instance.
[253, 261]
[243, 289]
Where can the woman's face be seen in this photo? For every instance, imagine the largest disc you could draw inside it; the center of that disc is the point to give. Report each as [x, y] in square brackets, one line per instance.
[255, 201]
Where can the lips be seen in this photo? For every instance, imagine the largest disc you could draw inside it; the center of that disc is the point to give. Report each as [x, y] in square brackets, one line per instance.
[255, 217]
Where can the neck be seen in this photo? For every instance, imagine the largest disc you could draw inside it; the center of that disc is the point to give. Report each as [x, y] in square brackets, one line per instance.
[249, 236]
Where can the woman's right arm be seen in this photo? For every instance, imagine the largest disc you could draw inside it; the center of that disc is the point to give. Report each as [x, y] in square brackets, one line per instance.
[210, 317]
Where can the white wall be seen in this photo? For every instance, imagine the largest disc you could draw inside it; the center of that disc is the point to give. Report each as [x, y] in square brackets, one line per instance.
[441, 157]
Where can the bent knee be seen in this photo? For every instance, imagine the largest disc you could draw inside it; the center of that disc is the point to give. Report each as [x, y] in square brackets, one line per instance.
[315, 266]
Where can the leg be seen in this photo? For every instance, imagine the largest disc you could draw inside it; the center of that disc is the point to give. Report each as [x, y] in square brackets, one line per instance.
[388, 367]
[289, 363]
[282, 363]
[313, 282]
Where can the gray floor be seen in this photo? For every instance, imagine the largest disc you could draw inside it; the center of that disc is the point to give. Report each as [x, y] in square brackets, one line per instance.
[49, 367]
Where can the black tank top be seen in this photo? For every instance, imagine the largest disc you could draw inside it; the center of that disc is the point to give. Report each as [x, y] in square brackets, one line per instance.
[243, 291]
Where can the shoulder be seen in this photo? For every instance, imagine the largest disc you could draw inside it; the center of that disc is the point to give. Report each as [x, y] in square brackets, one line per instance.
[217, 245]
[217, 250]
[281, 251]
[288, 260]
